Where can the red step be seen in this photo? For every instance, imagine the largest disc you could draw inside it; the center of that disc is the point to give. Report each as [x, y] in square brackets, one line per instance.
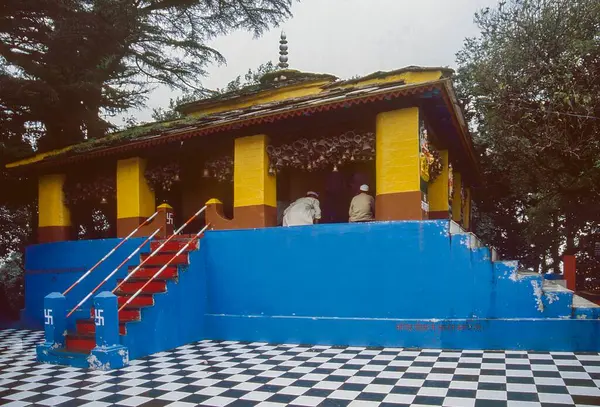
[131, 313]
[142, 300]
[131, 287]
[81, 343]
[162, 259]
[147, 272]
[88, 327]
[174, 245]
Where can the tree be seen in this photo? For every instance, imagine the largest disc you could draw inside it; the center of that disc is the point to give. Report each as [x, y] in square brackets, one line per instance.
[63, 64]
[67, 64]
[530, 85]
[252, 77]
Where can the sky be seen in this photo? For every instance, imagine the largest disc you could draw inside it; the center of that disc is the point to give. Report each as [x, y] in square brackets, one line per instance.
[345, 38]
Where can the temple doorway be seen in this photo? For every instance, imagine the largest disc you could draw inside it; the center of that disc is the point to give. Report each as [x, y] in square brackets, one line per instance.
[335, 188]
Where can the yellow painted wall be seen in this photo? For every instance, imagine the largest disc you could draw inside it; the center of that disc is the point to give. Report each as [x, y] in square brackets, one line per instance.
[456, 202]
[52, 209]
[252, 184]
[134, 196]
[438, 190]
[397, 151]
[467, 209]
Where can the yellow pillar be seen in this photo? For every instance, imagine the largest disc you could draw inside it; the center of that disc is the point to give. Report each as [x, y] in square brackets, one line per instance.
[135, 199]
[254, 190]
[398, 176]
[467, 209]
[54, 217]
[456, 198]
[439, 190]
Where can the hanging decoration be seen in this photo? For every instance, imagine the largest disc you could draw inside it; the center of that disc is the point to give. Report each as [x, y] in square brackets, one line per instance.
[99, 190]
[462, 201]
[221, 169]
[450, 183]
[430, 159]
[162, 176]
[324, 153]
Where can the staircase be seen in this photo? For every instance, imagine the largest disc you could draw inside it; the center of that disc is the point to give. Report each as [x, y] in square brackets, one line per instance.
[538, 297]
[83, 340]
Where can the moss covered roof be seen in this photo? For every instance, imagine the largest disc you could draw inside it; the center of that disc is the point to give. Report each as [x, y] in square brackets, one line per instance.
[269, 81]
[332, 92]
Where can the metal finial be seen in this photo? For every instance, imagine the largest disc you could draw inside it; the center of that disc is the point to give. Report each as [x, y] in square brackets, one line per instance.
[283, 48]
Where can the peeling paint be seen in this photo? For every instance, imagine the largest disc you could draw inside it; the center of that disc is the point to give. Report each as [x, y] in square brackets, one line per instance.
[551, 297]
[582, 316]
[537, 293]
[95, 364]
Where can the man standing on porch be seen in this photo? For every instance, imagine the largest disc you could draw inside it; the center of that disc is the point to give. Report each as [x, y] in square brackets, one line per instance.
[361, 207]
[303, 211]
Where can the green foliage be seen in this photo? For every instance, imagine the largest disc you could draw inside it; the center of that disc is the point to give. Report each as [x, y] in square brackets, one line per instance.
[11, 284]
[67, 65]
[64, 63]
[530, 84]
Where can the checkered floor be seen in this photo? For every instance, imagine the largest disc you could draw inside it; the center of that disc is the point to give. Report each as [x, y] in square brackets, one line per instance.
[210, 373]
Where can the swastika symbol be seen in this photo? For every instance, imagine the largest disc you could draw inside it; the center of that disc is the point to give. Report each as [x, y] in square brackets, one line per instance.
[98, 318]
[48, 319]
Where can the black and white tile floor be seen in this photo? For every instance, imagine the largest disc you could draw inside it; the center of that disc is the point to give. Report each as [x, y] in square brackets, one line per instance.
[210, 373]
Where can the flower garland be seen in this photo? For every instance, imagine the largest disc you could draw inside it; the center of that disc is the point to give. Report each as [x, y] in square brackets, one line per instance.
[431, 163]
[430, 158]
[450, 184]
[98, 191]
[162, 176]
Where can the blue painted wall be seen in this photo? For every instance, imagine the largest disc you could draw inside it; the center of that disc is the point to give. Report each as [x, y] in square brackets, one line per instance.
[393, 284]
[378, 270]
[355, 284]
[177, 316]
[53, 267]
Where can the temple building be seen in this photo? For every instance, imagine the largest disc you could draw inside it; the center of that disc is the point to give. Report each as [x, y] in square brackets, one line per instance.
[249, 153]
[167, 234]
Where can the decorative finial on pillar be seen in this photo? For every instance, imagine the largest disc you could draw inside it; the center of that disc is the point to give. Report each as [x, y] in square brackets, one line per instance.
[283, 48]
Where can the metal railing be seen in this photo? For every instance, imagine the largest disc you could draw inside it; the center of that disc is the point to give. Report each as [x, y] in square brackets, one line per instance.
[197, 236]
[107, 255]
[158, 249]
[112, 273]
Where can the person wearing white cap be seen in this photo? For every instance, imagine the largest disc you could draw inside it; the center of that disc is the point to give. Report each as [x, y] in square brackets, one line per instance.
[303, 211]
[362, 206]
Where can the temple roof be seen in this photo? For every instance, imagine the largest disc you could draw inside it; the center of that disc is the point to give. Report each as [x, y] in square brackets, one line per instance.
[332, 94]
[269, 81]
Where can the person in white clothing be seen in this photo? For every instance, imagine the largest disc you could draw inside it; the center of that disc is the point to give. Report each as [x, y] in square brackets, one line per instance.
[303, 211]
[362, 206]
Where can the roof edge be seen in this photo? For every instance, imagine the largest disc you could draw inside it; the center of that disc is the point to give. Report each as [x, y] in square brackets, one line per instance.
[446, 72]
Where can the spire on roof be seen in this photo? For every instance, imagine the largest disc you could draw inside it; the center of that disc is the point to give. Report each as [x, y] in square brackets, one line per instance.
[283, 48]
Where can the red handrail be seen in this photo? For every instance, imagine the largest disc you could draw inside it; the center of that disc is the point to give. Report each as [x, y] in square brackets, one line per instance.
[107, 255]
[165, 266]
[154, 252]
[114, 271]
